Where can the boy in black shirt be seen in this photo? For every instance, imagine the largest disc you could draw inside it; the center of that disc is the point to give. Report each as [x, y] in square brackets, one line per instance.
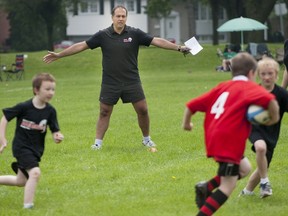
[264, 138]
[33, 117]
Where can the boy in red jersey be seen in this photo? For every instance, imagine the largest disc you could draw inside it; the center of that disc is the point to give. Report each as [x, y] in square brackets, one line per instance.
[227, 129]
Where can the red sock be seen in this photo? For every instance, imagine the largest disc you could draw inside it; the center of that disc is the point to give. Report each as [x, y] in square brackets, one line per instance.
[214, 183]
[213, 203]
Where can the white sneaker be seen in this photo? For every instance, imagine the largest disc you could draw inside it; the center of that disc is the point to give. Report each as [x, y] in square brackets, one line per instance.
[96, 147]
[149, 144]
[246, 193]
[265, 190]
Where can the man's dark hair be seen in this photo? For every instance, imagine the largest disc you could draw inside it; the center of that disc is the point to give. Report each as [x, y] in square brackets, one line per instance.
[118, 6]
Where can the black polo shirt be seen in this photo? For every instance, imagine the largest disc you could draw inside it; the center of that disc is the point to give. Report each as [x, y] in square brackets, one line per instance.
[120, 54]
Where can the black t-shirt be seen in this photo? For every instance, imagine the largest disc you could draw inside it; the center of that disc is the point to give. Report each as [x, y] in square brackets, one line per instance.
[271, 133]
[120, 54]
[31, 127]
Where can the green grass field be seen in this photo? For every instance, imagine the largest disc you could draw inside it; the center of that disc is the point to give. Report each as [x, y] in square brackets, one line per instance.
[123, 178]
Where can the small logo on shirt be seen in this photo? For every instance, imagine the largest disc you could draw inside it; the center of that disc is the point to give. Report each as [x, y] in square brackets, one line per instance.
[30, 125]
[128, 40]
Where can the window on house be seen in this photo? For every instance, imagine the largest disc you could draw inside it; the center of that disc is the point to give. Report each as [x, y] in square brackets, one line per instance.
[89, 6]
[129, 4]
[203, 12]
[209, 13]
[221, 14]
[196, 14]
[205, 38]
[119, 2]
[222, 37]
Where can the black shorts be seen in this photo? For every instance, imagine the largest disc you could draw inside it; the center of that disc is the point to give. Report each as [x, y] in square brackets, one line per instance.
[228, 169]
[110, 94]
[270, 150]
[27, 161]
[269, 154]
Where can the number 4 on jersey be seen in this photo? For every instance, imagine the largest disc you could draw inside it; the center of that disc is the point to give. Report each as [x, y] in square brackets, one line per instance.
[218, 106]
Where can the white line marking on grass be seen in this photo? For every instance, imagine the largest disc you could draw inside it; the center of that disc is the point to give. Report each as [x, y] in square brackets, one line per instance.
[19, 89]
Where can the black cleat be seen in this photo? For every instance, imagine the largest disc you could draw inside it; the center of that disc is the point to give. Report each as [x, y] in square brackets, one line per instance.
[201, 190]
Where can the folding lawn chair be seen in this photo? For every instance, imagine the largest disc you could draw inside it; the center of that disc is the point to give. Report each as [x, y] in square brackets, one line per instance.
[16, 71]
[252, 49]
[262, 50]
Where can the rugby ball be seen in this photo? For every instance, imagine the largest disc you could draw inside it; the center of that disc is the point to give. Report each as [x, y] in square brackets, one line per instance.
[257, 114]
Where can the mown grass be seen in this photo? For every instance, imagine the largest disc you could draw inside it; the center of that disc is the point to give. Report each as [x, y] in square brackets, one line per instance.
[124, 178]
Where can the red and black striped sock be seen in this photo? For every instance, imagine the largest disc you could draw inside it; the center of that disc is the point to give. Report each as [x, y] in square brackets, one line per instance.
[213, 203]
[213, 183]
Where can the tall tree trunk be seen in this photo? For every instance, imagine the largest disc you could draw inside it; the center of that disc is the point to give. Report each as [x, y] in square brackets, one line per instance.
[215, 11]
[191, 17]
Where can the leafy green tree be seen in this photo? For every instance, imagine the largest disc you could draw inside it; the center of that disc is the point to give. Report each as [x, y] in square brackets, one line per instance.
[258, 10]
[53, 13]
[215, 6]
[158, 8]
[35, 24]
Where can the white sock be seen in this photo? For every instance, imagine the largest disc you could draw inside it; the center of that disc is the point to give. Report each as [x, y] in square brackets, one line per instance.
[247, 191]
[98, 142]
[28, 205]
[264, 180]
[146, 139]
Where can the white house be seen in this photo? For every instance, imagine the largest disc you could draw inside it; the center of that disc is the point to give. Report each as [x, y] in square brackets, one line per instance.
[185, 20]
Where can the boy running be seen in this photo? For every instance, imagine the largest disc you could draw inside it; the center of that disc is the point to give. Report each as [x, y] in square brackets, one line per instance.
[264, 138]
[33, 116]
[227, 129]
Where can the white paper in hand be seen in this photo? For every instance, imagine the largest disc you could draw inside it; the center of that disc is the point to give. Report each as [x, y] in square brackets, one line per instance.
[193, 45]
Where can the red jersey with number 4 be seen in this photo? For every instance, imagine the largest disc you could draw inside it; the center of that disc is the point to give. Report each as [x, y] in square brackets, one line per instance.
[226, 126]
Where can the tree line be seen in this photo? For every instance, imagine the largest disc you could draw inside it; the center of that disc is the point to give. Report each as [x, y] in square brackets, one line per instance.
[37, 24]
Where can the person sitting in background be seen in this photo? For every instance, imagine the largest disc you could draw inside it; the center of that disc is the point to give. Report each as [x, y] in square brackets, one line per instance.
[228, 54]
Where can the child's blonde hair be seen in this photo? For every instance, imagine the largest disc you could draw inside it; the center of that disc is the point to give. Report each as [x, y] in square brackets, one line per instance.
[268, 62]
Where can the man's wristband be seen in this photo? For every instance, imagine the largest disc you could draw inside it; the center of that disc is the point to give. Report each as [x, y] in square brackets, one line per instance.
[179, 48]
